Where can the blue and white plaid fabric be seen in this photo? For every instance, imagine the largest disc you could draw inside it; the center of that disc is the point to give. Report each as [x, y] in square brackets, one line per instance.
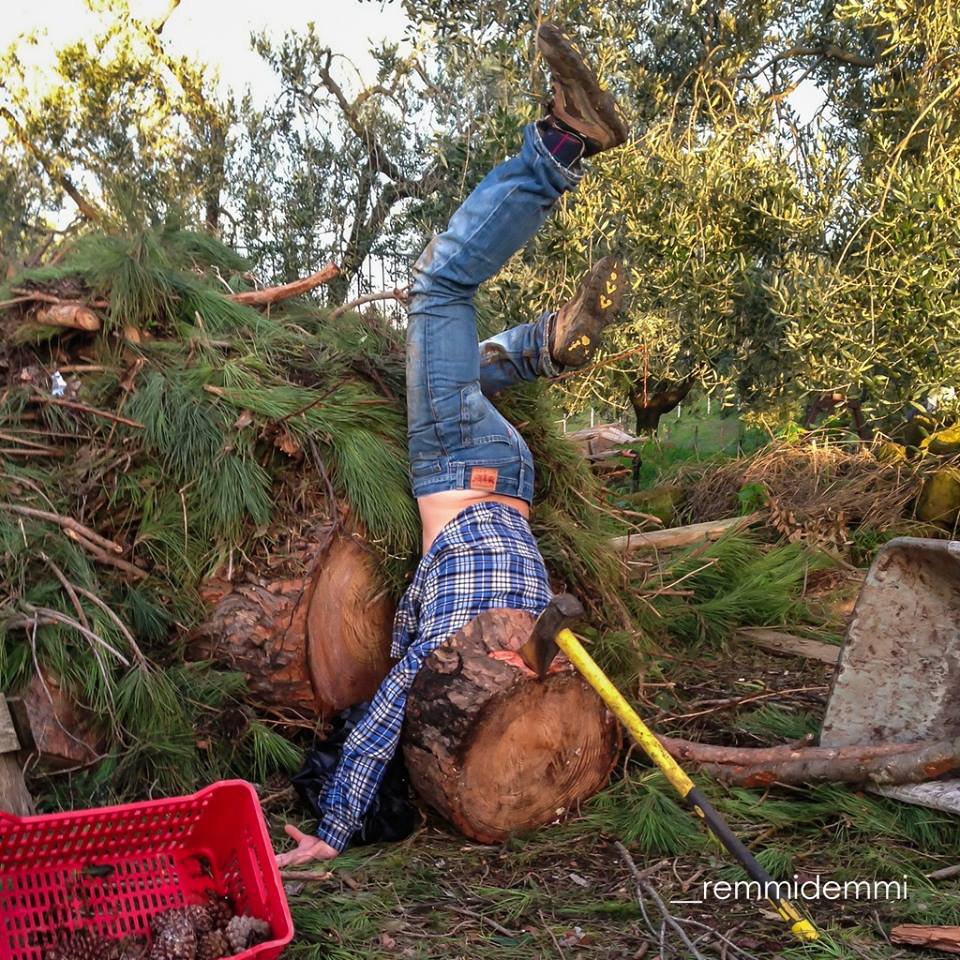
[484, 559]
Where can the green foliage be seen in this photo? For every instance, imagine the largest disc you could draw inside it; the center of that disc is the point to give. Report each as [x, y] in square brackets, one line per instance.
[732, 582]
[644, 812]
[777, 723]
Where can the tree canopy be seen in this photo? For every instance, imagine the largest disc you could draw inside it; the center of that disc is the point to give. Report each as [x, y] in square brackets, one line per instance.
[788, 202]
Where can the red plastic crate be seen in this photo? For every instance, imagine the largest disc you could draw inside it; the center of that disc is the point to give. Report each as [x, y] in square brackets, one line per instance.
[160, 854]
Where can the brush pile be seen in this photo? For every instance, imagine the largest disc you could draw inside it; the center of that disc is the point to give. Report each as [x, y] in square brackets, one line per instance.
[813, 492]
[199, 492]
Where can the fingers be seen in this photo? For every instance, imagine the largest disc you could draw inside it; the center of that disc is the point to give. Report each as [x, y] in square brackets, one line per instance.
[293, 857]
[296, 834]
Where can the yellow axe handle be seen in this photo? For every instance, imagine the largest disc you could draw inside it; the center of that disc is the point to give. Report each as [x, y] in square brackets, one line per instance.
[802, 928]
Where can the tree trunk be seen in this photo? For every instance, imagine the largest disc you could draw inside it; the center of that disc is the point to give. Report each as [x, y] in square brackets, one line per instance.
[493, 749]
[662, 396]
[310, 644]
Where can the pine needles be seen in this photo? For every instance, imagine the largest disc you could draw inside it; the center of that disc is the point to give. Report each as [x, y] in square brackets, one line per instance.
[732, 582]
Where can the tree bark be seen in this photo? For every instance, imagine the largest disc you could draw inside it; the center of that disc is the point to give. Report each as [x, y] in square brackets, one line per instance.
[492, 748]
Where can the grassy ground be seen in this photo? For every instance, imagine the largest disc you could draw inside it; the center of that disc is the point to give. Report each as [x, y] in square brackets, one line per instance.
[564, 891]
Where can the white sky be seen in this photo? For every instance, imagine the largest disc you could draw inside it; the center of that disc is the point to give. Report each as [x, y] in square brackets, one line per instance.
[217, 32]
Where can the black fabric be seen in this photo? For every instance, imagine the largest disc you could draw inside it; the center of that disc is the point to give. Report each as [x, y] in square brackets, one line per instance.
[392, 815]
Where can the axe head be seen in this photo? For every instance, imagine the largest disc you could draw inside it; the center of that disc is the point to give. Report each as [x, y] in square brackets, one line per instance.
[563, 611]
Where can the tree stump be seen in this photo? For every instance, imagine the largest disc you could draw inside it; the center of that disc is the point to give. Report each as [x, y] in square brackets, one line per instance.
[312, 642]
[492, 748]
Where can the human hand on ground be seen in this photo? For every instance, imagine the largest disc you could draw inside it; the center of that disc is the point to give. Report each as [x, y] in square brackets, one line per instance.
[308, 848]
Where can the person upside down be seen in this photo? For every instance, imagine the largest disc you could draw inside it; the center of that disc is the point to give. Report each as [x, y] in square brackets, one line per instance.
[471, 472]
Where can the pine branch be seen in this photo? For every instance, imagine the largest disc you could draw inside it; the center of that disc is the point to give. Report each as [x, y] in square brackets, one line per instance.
[270, 295]
[399, 294]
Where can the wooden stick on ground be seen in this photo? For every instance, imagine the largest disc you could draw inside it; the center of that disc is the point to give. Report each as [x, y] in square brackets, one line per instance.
[262, 298]
[686, 536]
[302, 876]
[946, 939]
[14, 795]
[786, 644]
[109, 559]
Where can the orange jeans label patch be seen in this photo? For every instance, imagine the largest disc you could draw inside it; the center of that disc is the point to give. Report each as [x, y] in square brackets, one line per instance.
[483, 478]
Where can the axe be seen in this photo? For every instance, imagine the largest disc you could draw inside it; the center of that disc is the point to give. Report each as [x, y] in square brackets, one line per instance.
[552, 633]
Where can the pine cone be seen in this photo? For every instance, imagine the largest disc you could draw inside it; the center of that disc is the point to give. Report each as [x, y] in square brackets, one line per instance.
[173, 937]
[221, 909]
[203, 918]
[245, 931]
[81, 945]
[213, 946]
[133, 948]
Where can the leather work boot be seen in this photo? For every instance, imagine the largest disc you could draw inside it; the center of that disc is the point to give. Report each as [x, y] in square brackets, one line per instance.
[579, 322]
[579, 103]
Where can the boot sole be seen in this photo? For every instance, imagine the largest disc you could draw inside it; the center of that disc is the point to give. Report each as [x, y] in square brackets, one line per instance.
[600, 301]
[569, 68]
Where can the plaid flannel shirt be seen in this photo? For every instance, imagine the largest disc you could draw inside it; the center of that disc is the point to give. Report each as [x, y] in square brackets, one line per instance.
[485, 558]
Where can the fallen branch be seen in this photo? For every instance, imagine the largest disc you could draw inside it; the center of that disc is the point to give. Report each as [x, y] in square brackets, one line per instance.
[644, 886]
[38, 452]
[83, 408]
[882, 763]
[399, 294]
[121, 626]
[45, 615]
[68, 523]
[686, 536]
[109, 559]
[717, 705]
[786, 644]
[268, 295]
[24, 293]
[946, 939]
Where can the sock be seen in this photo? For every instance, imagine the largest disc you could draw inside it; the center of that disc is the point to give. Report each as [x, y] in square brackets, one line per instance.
[564, 145]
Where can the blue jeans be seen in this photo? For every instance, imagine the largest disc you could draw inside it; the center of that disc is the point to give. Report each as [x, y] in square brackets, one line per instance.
[457, 438]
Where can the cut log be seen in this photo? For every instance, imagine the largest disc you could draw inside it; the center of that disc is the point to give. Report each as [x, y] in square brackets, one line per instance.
[75, 315]
[946, 939]
[675, 537]
[349, 624]
[309, 644]
[490, 747]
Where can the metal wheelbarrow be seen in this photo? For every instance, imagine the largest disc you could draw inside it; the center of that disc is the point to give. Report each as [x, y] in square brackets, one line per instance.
[898, 676]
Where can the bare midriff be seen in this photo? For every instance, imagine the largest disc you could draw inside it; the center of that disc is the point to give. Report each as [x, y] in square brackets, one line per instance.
[438, 509]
